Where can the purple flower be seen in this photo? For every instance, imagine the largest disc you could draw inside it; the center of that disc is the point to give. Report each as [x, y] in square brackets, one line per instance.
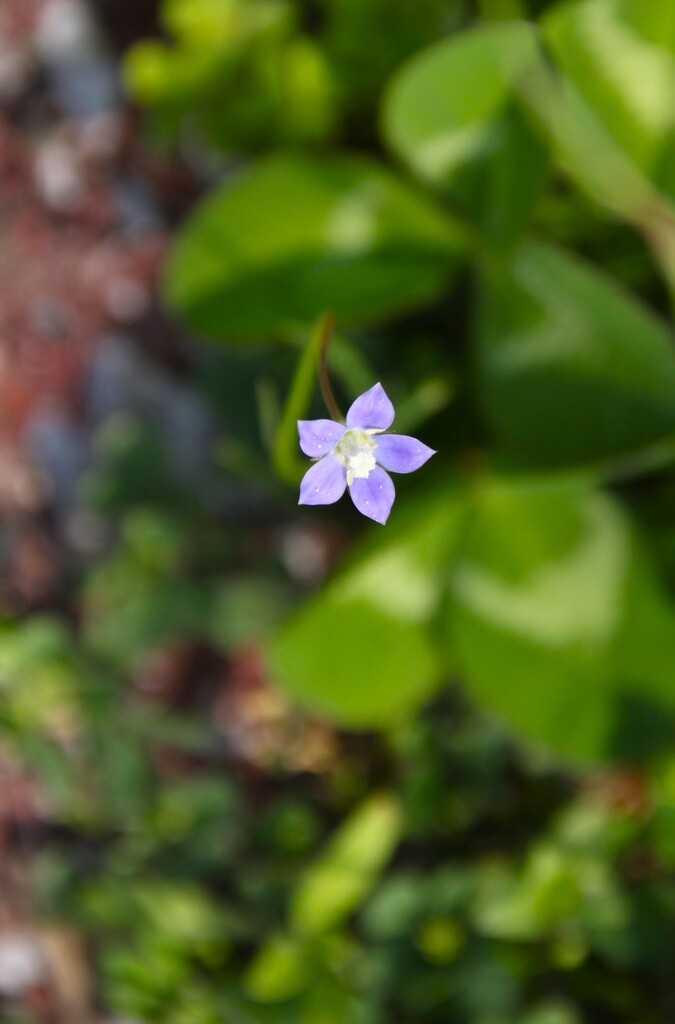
[356, 455]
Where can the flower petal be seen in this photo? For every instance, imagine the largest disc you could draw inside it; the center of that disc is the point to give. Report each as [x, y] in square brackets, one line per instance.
[401, 454]
[374, 495]
[318, 436]
[372, 409]
[323, 483]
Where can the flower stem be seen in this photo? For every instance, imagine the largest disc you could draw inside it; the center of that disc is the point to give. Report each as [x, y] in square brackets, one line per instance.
[289, 467]
[327, 330]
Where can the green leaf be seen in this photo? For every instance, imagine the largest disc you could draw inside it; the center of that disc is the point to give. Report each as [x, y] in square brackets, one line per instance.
[39, 681]
[557, 621]
[502, 198]
[472, 139]
[571, 368]
[331, 1000]
[281, 970]
[440, 108]
[620, 55]
[294, 236]
[551, 1011]
[328, 892]
[360, 652]
[584, 145]
[338, 882]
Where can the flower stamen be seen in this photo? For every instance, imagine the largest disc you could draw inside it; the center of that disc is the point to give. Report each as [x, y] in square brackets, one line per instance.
[355, 450]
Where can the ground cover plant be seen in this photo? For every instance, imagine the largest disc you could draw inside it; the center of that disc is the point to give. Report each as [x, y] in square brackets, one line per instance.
[271, 762]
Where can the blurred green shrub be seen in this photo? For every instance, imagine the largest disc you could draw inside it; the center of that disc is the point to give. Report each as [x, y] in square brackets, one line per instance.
[247, 75]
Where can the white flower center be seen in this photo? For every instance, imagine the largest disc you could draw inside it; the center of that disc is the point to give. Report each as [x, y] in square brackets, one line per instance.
[355, 450]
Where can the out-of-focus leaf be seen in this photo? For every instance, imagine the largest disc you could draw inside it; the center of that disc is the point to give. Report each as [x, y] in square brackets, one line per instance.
[556, 892]
[360, 651]
[327, 893]
[612, 122]
[354, 662]
[368, 40]
[336, 884]
[142, 979]
[511, 179]
[196, 820]
[571, 368]
[545, 622]
[528, 906]
[330, 1001]
[621, 56]
[471, 139]
[440, 110]
[440, 939]
[39, 684]
[229, 23]
[584, 146]
[295, 236]
[281, 970]
[553, 1011]
[182, 912]
[396, 906]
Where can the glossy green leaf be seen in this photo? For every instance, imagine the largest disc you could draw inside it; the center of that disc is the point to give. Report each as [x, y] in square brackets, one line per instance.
[472, 139]
[360, 652]
[440, 108]
[571, 368]
[295, 236]
[605, 121]
[449, 115]
[545, 619]
[621, 57]
[337, 883]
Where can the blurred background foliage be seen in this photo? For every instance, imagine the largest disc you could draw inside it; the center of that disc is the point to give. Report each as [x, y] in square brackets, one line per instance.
[296, 769]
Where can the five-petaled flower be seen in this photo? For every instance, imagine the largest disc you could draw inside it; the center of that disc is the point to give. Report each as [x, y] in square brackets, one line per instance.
[356, 455]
